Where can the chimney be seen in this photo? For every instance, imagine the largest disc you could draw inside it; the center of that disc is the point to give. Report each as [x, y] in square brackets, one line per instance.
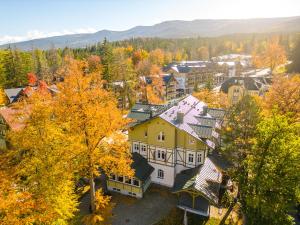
[204, 110]
[180, 116]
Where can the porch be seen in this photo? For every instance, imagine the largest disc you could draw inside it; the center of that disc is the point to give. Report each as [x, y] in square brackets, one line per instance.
[193, 204]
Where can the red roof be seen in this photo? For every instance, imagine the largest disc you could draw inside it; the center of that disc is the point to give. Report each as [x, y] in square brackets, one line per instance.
[14, 118]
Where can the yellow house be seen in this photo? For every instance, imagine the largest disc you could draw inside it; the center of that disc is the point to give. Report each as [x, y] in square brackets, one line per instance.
[175, 138]
[136, 185]
[237, 87]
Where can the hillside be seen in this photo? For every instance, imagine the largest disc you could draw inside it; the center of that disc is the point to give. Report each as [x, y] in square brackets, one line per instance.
[169, 29]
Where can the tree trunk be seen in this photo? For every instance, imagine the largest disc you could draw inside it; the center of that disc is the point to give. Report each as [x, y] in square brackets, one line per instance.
[92, 192]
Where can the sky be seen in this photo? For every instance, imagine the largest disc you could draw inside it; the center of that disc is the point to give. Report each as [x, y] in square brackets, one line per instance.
[29, 19]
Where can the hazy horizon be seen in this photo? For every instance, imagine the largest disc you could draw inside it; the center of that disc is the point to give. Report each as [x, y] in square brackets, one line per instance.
[32, 19]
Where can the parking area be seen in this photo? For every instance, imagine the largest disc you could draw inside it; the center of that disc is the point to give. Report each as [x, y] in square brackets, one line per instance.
[154, 206]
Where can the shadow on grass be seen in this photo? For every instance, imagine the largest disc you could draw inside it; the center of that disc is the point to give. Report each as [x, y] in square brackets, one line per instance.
[227, 213]
[175, 217]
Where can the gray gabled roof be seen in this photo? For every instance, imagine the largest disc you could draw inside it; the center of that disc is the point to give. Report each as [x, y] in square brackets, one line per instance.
[13, 94]
[202, 131]
[199, 125]
[142, 112]
[142, 168]
[191, 108]
[206, 121]
[205, 179]
[216, 113]
[250, 83]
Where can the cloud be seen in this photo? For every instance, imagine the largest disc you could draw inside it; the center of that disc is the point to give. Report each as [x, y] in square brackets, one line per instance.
[35, 34]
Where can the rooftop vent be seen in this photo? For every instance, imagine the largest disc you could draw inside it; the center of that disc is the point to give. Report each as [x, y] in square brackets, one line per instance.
[180, 116]
[204, 110]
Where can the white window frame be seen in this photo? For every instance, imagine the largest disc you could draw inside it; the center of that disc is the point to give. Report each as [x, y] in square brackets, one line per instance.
[161, 154]
[143, 148]
[127, 180]
[199, 157]
[191, 156]
[133, 180]
[160, 174]
[136, 147]
[122, 179]
[158, 154]
[113, 177]
[161, 136]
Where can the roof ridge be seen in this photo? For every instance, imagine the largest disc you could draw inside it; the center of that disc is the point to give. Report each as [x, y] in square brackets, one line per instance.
[200, 125]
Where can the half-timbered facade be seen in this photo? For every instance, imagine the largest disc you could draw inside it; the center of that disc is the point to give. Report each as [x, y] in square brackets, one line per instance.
[175, 137]
[173, 142]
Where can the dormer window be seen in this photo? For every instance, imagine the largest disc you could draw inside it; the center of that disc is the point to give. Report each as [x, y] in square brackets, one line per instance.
[161, 136]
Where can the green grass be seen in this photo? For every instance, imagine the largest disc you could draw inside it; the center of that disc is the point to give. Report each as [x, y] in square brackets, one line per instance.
[175, 217]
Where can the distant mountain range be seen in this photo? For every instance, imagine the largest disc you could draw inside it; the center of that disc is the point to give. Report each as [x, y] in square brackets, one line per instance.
[169, 29]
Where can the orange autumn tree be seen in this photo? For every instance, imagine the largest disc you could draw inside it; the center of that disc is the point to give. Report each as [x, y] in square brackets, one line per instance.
[212, 99]
[283, 97]
[92, 117]
[273, 56]
[155, 90]
[32, 79]
[18, 206]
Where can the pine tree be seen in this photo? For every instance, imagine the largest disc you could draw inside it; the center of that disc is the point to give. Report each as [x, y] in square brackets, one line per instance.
[41, 65]
[16, 64]
[54, 62]
[107, 60]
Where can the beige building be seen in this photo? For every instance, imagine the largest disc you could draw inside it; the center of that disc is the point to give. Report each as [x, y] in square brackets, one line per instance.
[168, 82]
[237, 87]
[175, 140]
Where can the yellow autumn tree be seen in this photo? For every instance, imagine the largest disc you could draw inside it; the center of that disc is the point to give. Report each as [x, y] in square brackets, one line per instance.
[103, 210]
[18, 206]
[3, 98]
[273, 56]
[283, 97]
[203, 53]
[156, 57]
[93, 119]
[155, 90]
[212, 99]
[43, 159]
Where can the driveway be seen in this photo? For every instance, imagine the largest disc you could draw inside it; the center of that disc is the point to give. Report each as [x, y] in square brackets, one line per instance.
[155, 205]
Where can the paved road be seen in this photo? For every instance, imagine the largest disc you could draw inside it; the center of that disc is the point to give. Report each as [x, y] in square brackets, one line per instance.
[155, 205]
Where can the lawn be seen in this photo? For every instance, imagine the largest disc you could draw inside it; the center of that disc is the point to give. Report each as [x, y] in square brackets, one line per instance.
[175, 217]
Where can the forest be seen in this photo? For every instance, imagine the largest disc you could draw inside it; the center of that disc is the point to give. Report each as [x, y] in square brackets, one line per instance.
[71, 135]
[140, 56]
